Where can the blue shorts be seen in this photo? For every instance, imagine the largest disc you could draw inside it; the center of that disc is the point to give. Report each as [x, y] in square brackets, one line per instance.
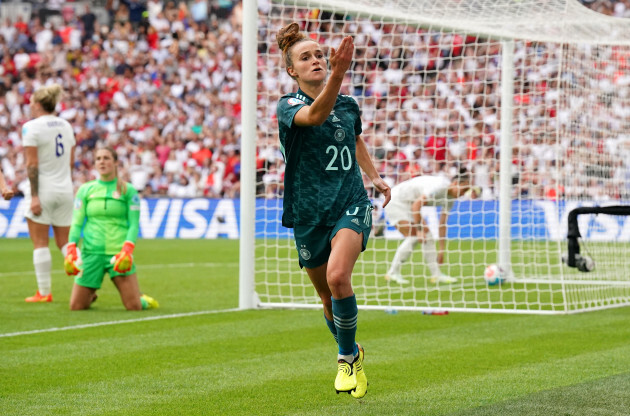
[313, 241]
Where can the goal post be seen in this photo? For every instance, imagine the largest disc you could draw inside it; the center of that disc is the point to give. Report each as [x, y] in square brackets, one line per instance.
[531, 96]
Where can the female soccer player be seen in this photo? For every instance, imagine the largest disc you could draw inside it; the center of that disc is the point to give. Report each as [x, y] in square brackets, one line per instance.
[408, 198]
[49, 149]
[107, 211]
[325, 201]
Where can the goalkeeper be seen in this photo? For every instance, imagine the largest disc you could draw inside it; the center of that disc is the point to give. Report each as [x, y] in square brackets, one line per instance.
[107, 211]
[404, 213]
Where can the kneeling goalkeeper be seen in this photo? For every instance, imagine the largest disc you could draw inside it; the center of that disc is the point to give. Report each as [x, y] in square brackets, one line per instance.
[107, 211]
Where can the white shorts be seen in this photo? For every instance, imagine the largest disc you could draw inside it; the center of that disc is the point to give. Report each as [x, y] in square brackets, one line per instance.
[56, 208]
[396, 212]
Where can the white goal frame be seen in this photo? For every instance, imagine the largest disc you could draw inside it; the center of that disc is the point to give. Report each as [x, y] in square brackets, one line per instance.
[558, 21]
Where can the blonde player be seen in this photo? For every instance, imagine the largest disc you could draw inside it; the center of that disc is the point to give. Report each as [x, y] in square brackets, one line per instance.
[403, 212]
[49, 147]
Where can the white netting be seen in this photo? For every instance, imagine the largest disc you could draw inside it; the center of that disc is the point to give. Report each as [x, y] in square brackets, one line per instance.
[427, 76]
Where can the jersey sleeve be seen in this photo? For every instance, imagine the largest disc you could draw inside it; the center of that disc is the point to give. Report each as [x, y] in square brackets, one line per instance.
[133, 213]
[78, 215]
[287, 109]
[29, 135]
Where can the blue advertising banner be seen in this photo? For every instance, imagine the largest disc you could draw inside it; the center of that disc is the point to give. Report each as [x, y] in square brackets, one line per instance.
[219, 218]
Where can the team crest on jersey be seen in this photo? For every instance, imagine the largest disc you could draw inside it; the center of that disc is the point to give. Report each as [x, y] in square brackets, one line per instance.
[304, 253]
[294, 101]
[340, 134]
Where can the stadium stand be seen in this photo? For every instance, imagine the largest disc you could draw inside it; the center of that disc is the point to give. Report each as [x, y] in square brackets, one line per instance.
[161, 82]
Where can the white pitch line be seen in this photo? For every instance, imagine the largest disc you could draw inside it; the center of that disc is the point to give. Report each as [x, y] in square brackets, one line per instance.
[124, 321]
[141, 267]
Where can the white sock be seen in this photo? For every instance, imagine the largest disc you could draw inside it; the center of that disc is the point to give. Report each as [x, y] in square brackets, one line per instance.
[402, 254]
[42, 261]
[430, 256]
[347, 358]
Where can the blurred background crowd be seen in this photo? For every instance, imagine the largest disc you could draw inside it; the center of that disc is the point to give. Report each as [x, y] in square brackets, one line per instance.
[160, 81]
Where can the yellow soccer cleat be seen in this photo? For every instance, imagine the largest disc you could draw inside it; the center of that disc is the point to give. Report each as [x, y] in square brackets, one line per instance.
[149, 301]
[39, 298]
[346, 380]
[362, 382]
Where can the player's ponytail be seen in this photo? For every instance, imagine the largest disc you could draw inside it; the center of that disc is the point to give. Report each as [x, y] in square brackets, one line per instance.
[121, 186]
[48, 97]
[286, 38]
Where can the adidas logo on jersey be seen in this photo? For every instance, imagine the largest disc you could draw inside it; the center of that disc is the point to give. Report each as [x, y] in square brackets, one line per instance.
[355, 221]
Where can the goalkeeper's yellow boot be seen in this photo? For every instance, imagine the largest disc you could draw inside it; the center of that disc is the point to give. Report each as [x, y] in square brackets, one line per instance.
[37, 297]
[362, 382]
[148, 302]
[346, 380]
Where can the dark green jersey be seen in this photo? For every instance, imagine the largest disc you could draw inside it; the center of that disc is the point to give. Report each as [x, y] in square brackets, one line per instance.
[322, 177]
[107, 218]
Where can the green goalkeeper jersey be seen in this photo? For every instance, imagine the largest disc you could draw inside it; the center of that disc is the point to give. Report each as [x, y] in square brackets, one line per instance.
[106, 218]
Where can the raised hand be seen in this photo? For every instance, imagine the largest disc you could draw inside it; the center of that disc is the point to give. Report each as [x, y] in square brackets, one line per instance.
[341, 58]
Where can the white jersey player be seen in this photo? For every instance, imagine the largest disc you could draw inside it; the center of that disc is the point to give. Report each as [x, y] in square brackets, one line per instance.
[403, 212]
[49, 145]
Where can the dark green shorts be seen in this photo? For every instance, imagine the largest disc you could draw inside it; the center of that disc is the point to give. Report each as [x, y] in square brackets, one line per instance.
[94, 268]
[313, 242]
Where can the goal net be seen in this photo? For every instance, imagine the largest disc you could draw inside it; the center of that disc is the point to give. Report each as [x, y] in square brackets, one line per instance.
[532, 97]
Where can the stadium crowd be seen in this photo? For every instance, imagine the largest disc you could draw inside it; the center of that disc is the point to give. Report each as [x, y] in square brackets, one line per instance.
[160, 81]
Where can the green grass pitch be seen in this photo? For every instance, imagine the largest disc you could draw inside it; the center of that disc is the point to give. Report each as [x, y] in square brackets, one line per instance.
[196, 355]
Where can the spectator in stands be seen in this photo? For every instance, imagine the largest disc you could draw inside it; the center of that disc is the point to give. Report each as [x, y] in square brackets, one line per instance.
[199, 11]
[88, 21]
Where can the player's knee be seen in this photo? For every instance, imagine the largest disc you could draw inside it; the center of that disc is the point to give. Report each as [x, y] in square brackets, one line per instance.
[337, 279]
[133, 305]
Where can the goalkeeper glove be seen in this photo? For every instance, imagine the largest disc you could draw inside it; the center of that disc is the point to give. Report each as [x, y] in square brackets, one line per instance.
[72, 262]
[124, 260]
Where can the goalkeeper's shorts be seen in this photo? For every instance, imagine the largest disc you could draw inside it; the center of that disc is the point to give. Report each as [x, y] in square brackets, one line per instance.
[313, 241]
[94, 268]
